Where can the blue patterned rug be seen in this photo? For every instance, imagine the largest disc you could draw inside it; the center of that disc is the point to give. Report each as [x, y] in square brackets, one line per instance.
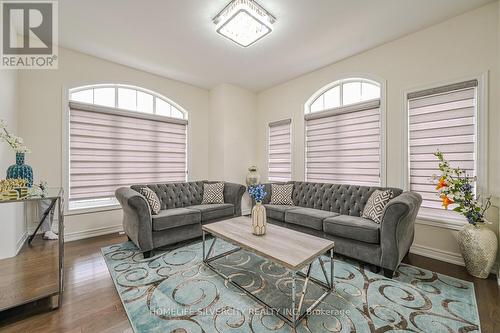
[174, 292]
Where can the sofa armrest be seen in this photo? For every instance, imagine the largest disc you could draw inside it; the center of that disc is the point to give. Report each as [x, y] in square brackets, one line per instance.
[233, 194]
[137, 222]
[397, 228]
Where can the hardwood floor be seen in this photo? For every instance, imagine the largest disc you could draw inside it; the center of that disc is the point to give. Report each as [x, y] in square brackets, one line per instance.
[91, 303]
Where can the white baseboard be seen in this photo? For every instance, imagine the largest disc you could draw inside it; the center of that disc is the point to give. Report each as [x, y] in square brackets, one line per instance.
[430, 252]
[21, 242]
[246, 211]
[72, 236]
[446, 256]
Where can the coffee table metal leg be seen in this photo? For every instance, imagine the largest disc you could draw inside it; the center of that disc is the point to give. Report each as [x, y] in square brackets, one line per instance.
[331, 269]
[203, 245]
[322, 264]
[211, 248]
[304, 288]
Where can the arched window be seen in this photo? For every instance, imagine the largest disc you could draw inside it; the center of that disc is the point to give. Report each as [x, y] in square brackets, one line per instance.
[121, 135]
[343, 133]
[127, 98]
[345, 92]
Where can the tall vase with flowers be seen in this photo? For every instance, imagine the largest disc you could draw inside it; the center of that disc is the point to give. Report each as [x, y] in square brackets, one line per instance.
[259, 221]
[478, 244]
[19, 170]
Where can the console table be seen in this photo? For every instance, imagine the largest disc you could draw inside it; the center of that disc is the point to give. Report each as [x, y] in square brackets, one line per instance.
[36, 272]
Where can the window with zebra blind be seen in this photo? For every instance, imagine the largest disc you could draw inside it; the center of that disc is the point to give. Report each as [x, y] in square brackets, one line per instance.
[280, 151]
[126, 141]
[344, 134]
[445, 119]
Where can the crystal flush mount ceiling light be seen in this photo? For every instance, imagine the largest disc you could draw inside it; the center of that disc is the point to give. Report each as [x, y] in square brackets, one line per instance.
[244, 22]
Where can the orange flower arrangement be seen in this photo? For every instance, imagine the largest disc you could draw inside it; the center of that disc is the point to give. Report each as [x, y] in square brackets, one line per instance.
[456, 188]
[441, 183]
[446, 201]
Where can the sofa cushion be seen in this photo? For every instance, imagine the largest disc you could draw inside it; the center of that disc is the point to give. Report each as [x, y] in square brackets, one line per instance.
[277, 212]
[353, 227]
[175, 217]
[308, 217]
[213, 211]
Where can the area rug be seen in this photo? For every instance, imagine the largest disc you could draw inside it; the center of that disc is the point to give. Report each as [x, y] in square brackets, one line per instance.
[175, 292]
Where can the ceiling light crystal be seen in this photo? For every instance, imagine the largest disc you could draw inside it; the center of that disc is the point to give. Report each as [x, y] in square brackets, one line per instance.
[244, 22]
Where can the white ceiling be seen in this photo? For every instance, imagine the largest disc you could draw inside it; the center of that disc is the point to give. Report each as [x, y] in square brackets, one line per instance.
[177, 39]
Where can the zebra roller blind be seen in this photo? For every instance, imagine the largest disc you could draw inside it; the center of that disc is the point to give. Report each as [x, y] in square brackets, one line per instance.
[444, 119]
[110, 148]
[343, 145]
[280, 151]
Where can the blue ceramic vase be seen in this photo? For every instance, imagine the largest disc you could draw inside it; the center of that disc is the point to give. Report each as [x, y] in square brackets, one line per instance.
[20, 170]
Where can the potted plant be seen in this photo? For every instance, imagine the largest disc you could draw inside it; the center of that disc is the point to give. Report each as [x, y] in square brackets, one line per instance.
[478, 244]
[18, 170]
[258, 193]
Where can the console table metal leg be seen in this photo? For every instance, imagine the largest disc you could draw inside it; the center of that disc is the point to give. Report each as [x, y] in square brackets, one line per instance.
[294, 313]
[61, 248]
[44, 216]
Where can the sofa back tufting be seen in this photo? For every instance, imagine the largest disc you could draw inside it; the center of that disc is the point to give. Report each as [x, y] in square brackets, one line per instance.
[175, 195]
[342, 199]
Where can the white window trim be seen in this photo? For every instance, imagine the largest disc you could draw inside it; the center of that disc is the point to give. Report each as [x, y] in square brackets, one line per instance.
[65, 161]
[481, 146]
[383, 105]
[290, 119]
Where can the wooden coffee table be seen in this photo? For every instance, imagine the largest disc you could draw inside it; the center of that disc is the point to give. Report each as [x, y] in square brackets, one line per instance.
[288, 248]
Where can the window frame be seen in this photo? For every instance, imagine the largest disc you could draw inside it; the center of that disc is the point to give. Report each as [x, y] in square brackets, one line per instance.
[383, 132]
[289, 121]
[481, 146]
[65, 110]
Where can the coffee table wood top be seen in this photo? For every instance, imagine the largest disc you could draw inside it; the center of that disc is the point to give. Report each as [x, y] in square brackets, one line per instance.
[289, 248]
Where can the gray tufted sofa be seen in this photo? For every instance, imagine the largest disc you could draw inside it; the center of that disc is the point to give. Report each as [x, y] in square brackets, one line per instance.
[333, 211]
[181, 215]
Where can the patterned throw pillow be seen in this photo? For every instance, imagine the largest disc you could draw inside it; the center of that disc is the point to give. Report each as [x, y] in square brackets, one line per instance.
[152, 199]
[281, 194]
[375, 206]
[213, 193]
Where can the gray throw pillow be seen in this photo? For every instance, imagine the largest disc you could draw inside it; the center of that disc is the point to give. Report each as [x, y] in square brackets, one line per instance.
[281, 194]
[213, 193]
[152, 199]
[375, 206]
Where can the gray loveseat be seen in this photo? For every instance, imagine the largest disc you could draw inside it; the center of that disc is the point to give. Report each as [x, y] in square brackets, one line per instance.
[333, 211]
[181, 215]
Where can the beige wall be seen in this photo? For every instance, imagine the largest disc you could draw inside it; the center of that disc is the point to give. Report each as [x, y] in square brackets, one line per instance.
[232, 134]
[41, 123]
[11, 214]
[460, 47]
